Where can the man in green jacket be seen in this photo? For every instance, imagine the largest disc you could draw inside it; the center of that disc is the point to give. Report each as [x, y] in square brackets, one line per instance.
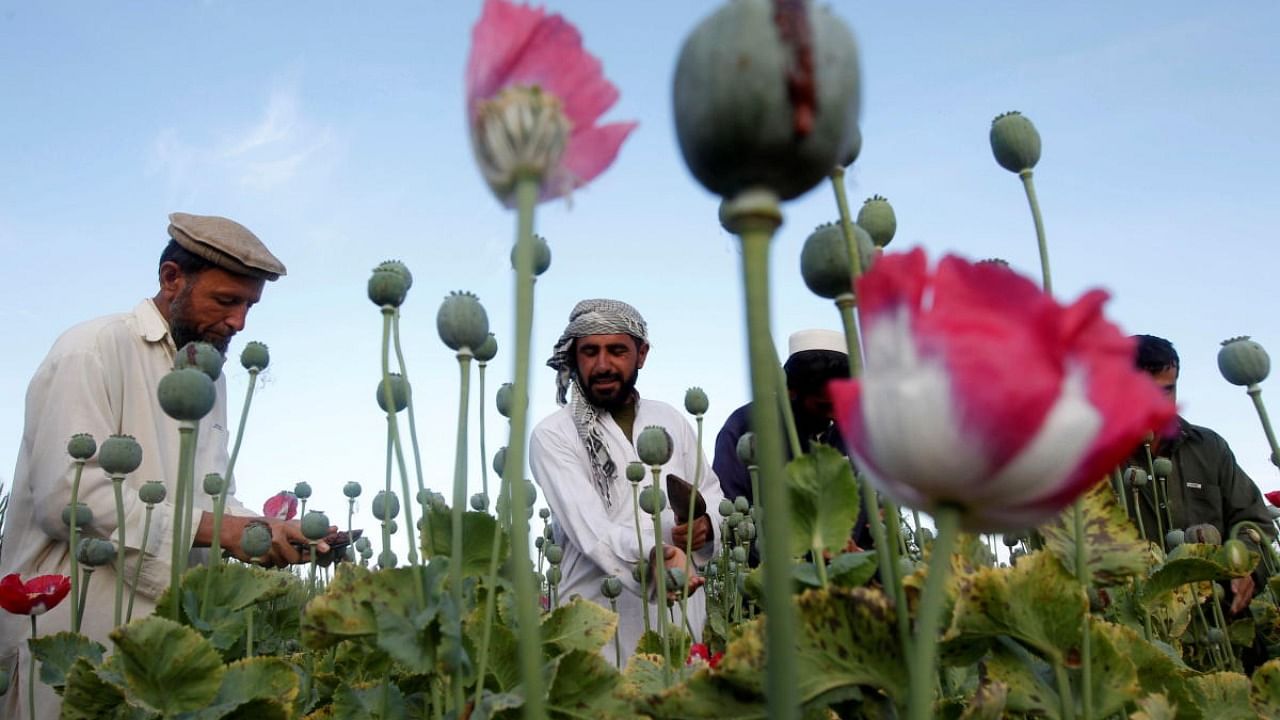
[1206, 485]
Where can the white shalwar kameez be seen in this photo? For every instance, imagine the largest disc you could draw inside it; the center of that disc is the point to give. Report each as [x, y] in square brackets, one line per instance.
[599, 541]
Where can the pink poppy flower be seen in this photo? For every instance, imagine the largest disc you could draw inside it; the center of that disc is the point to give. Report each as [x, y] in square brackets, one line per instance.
[533, 98]
[1273, 497]
[282, 506]
[981, 392]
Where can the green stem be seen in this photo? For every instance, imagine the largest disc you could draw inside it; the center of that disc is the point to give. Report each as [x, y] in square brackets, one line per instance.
[248, 637]
[484, 454]
[617, 641]
[459, 504]
[76, 607]
[1137, 513]
[386, 527]
[413, 427]
[1030, 187]
[845, 304]
[922, 660]
[84, 586]
[527, 188]
[693, 504]
[1221, 622]
[1082, 575]
[1255, 393]
[220, 502]
[137, 568]
[1065, 698]
[188, 526]
[855, 268]
[784, 405]
[1154, 482]
[117, 487]
[658, 566]
[1214, 650]
[644, 574]
[31, 671]
[490, 596]
[388, 314]
[1117, 480]
[186, 471]
[755, 215]
[311, 576]
[893, 553]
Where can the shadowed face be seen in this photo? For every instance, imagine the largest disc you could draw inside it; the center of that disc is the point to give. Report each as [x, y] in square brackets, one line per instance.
[608, 366]
[209, 306]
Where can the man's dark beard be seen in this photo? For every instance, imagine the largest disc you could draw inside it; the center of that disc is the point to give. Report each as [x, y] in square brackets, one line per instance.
[183, 330]
[625, 395]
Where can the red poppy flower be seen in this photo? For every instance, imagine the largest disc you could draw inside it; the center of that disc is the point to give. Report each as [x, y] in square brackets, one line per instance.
[1273, 497]
[980, 391]
[35, 596]
[283, 506]
[534, 95]
[699, 652]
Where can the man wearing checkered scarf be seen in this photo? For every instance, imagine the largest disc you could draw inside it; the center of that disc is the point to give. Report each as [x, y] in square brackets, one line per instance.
[579, 456]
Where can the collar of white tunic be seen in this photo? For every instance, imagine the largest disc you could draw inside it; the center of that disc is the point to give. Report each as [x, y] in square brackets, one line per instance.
[152, 326]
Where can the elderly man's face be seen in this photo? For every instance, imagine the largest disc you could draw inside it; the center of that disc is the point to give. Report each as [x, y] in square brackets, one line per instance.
[608, 366]
[210, 305]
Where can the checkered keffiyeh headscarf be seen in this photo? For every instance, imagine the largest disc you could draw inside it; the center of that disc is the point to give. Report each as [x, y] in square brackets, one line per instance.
[593, 317]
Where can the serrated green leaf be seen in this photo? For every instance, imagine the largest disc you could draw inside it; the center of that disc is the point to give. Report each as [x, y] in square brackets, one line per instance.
[381, 701]
[1114, 551]
[579, 625]
[59, 651]
[1155, 707]
[87, 696]
[583, 687]
[1187, 563]
[1026, 679]
[1113, 674]
[643, 677]
[1264, 690]
[847, 638]
[268, 685]
[1035, 602]
[167, 667]
[477, 539]
[1220, 696]
[704, 696]
[342, 612]
[824, 501]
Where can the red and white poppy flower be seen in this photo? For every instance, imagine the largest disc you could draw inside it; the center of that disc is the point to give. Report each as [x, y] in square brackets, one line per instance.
[981, 392]
[35, 596]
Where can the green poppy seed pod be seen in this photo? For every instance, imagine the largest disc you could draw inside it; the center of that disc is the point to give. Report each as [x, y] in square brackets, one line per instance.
[676, 577]
[480, 502]
[654, 445]
[315, 525]
[398, 267]
[878, 219]
[554, 553]
[765, 100]
[386, 559]
[352, 490]
[695, 401]
[1252, 535]
[1237, 555]
[120, 455]
[436, 501]
[530, 495]
[747, 449]
[635, 472]
[1243, 361]
[735, 519]
[503, 399]
[824, 260]
[855, 148]
[1010, 540]
[738, 554]
[152, 492]
[746, 530]
[1174, 538]
[302, 490]
[652, 500]
[742, 504]
[544, 513]
[82, 446]
[201, 356]
[400, 392]
[726, 508]
[255, 356]
[393, 526]
[387, 288]
[1204, 534]
[488, 349]
[539, 541]
[500, 460]
[1015, 142]
[1215, 636]
[462, 321]
[541, 255]
[366, 552]
[363, 544]
[547, 532]
[611, 587]
[1163, 467]
[213, 484]
[385, 505]
[1136, 477]
[96, 552]
[255, 541]
[553, 575]
[84, 515]
[186, 394]
[638, 570]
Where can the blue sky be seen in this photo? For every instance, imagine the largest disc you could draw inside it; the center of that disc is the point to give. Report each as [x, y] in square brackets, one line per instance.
[336, 132]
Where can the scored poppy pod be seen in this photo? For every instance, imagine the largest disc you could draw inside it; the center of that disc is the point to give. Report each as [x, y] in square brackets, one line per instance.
[981, 392]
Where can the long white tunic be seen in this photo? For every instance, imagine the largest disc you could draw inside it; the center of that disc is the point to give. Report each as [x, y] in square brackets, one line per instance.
[600, 541]
[100, 378]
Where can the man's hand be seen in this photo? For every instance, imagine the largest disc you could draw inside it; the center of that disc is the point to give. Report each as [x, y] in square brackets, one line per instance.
[1243, 588]
[285, 535]
[674, 557]
[701, 533]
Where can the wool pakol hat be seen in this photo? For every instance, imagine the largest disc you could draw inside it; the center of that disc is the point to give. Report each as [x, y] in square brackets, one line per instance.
[830, 340]
[225, 243]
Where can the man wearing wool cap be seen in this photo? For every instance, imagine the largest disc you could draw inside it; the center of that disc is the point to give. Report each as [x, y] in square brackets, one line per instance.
[101, 378]
[579, 456]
